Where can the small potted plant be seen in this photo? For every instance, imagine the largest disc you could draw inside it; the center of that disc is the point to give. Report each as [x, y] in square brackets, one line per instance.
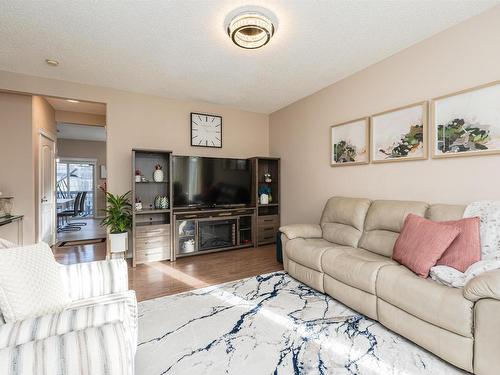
[118, 219]
[137, 176]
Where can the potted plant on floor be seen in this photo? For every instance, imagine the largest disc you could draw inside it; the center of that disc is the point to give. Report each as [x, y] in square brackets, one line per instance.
[118, 219]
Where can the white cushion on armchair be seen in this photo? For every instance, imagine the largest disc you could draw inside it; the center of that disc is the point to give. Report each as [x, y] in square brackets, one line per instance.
[30, 283]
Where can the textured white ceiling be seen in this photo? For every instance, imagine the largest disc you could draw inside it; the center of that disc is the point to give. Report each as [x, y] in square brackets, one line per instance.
[82, 107]
[179, 48]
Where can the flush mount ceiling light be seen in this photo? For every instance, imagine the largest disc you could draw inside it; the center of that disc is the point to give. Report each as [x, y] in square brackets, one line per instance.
[250, 30]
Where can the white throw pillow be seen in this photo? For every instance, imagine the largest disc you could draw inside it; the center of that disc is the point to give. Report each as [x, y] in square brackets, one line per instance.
[30, 283]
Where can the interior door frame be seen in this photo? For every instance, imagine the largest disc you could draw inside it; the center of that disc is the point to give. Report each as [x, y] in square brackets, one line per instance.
[92, 161]
[53, 138]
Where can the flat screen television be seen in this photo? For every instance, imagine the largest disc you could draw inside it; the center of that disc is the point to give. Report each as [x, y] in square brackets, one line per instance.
[209, 182]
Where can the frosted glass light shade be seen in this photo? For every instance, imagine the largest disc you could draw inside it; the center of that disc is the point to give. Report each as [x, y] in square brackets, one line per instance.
[250, 30]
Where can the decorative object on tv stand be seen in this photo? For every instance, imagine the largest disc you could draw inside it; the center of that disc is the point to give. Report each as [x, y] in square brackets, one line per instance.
[138, 204]
[350, 143]
[118, 220]
[265, 195]
[161, 202]
[158, 174]
[138, 177]
[206, 130]
[399, 134]
[467, 123]
[188, 246]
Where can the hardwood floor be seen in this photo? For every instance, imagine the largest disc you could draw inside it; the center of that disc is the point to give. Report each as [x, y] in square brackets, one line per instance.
[80, 253]
[159, 279]
[92, 230]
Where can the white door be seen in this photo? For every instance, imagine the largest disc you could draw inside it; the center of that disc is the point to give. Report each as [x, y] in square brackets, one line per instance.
[47, 208]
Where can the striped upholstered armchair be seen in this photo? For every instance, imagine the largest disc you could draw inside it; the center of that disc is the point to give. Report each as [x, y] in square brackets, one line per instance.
[96, 334]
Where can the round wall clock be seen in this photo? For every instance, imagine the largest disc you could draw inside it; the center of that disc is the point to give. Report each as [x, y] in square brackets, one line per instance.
[206, 130]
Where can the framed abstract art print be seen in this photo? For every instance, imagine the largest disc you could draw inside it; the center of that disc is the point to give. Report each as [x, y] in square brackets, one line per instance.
[399, 134]
[349, 143]
[467, 123]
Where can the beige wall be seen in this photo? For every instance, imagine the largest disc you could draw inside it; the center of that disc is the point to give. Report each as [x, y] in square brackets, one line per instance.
[43, 116]
[73, 148]
[80, 118]
[464, 56]
[137, 120]
[16, 157]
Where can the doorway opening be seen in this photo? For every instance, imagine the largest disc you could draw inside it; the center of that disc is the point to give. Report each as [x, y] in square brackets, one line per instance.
[79, 180]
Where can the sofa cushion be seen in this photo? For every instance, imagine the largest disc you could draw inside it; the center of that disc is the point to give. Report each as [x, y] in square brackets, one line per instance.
[343, 219]
[307, 252]
[445, 212]
[465, 250]
[355, 267]
[383, 223]
[422, 242]
[425, 299]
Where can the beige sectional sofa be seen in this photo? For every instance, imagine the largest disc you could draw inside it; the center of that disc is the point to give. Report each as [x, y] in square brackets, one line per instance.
[348, 256]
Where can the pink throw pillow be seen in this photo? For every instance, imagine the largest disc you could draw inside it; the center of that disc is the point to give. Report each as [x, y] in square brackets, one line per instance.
[422, 242]
[465, 250]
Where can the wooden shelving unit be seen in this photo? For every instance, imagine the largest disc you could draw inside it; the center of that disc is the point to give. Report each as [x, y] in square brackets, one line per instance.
[268, 215]
[151, 227]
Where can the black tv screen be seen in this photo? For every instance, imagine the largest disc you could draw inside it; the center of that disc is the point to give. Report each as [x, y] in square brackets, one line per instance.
[209, 182]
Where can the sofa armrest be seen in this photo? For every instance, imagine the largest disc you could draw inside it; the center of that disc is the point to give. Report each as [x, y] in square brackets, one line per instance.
[94, 350]
[485, 285]
[42, 327]
[302, 230]
[94, 279]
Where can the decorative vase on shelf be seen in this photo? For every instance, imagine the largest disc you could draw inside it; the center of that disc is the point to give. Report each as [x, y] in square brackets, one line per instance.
[264, 199]
[137, 176]
[267, 178]
[161, 202]
[158, 174]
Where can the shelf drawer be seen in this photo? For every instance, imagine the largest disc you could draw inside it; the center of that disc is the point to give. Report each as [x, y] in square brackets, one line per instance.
[152, 255]
[152, 230]
[268, 220]
[152, 242]
[267, 233]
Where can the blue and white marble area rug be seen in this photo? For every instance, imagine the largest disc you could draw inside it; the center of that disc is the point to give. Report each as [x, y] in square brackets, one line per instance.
[270, 324]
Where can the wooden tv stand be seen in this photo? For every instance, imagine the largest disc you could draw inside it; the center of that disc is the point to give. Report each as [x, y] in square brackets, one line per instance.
[202, 231]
